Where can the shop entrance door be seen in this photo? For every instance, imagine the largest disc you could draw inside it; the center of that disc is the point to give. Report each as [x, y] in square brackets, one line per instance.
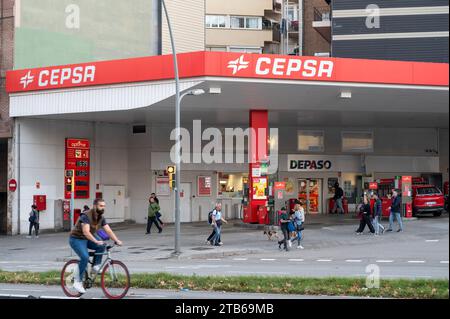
[310, 192]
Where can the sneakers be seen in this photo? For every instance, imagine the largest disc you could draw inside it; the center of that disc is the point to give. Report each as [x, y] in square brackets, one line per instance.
[28, 236]
[289, 243]
[78, 286]
[400, 231]
[389, 230]
[300, 247]
[96, 269]
[358, 233]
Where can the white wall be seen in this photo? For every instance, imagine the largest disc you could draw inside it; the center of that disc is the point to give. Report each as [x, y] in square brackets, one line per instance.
[42, 158]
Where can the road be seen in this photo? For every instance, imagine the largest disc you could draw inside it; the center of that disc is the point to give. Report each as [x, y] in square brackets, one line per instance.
[55, 292]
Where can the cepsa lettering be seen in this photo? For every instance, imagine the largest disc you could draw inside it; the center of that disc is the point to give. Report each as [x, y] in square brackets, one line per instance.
[292, 67]
[310, 165]
[76, 75]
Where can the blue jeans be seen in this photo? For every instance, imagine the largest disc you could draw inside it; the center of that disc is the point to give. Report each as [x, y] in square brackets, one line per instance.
[299, 234]
[398, 216]
[217, 229]
[377, 224]
[81, 246]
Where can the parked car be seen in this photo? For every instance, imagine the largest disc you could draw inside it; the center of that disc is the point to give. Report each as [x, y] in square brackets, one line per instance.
[427, 199]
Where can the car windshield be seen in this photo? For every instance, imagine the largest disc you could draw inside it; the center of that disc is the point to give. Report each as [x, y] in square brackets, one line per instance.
[428, 191]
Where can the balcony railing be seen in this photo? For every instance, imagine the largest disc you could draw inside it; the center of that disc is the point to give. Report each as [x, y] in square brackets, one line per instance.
[322, 14]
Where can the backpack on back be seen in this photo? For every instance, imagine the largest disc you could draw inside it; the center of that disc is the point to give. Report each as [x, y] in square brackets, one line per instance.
[210, 217]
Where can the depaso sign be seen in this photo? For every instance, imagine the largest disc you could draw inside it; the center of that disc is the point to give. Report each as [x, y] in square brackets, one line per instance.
[310, 165]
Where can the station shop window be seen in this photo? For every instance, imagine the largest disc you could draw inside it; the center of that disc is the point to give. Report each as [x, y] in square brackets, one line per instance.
[350, 182]
[357, 142]
[231, 185]
[311, 141]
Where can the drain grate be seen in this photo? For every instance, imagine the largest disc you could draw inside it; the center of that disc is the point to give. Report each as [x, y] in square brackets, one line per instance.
[137, 252]
[17, 249]
[150, 249]
[135, 247]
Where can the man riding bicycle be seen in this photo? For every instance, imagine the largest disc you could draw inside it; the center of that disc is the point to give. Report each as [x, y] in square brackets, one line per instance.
[84, 236]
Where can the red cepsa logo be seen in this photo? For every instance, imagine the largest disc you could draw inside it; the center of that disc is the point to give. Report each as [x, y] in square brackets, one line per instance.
[285, 67]
[55, 77]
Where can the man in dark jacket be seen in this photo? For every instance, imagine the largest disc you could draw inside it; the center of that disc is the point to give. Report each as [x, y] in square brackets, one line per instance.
[396, 208]
[338, 196]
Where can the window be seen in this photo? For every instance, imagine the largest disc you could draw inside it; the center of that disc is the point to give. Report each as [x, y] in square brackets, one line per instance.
[357, 141]
[216, 49]
[253, 23]
[231, 185]
[311, 141]
[216, 21]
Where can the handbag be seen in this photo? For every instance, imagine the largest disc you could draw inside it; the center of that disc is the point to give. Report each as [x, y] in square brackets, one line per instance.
[300, 227]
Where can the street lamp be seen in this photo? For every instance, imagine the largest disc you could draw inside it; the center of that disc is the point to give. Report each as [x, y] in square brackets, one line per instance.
[177, 131]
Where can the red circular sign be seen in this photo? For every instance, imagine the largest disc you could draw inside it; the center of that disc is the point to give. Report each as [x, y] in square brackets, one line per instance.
[12, 185]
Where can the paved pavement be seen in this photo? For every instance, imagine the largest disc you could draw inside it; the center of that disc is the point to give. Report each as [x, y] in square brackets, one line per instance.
[331, 249]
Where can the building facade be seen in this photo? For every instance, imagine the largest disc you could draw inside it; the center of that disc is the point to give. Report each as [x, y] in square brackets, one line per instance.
[389, 30]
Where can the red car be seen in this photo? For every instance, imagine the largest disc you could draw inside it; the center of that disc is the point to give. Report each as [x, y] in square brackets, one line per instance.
[427, 199]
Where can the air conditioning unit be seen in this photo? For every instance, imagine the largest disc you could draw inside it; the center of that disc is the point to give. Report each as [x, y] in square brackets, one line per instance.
[322, 54]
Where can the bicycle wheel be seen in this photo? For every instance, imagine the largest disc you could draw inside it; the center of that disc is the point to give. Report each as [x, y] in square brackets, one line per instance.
[115, 280]
[68, 273]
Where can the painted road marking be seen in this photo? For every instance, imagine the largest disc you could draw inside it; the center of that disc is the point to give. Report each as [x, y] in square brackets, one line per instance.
[444, 262]
[267, 259]
[240, 259]
[353, 261]
[214, 259]
[416, 261]
[324, 260]
[296, 260]
[432, 240]
[384, 261]
[57, 297]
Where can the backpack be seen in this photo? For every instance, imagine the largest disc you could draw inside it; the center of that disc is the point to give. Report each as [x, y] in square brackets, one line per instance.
[210, 217]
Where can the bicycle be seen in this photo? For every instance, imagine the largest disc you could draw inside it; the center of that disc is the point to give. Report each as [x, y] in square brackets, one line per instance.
[115, 278]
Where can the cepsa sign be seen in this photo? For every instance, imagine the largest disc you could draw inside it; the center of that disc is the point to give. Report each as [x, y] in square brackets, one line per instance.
[58, 77]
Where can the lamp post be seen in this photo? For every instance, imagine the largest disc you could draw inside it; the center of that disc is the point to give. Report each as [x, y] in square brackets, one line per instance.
[177, 250]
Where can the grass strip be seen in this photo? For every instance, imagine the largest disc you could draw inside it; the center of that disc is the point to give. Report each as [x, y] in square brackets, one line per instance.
[395, 288]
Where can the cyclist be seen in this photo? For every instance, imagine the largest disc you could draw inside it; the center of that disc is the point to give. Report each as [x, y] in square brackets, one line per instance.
[84, 236]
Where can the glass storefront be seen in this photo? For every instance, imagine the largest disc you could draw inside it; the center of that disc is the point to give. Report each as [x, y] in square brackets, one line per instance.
[231, 185]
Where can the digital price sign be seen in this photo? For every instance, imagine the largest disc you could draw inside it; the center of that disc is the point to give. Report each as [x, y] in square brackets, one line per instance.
[77, 160]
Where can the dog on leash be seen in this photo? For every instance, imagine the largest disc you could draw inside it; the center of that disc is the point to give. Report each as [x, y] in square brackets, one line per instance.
[271, 234]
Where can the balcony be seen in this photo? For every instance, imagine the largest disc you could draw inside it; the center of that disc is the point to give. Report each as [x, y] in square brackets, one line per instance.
[322, 22]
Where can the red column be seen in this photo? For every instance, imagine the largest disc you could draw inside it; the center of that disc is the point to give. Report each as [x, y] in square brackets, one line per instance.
[258, 151]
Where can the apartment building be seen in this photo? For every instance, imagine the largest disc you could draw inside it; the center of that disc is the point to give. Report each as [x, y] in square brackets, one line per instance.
[6, 63]
[386, 30]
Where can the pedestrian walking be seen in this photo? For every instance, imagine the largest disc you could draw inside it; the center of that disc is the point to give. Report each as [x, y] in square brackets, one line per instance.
[153, 207]
[395, 211]
[377, 215]
[34, 222]
[158, 214]
[284, 222]
[299, 220]
[217, 207]
[217, 221]
[365, 220]
[338, 197]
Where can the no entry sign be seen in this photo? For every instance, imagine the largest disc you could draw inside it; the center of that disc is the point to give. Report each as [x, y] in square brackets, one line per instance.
[12, 185]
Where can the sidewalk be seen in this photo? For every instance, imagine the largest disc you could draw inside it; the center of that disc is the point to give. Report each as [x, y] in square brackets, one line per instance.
[239, 239]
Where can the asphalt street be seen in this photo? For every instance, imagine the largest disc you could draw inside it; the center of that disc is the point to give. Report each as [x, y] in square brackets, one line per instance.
[331, 249]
